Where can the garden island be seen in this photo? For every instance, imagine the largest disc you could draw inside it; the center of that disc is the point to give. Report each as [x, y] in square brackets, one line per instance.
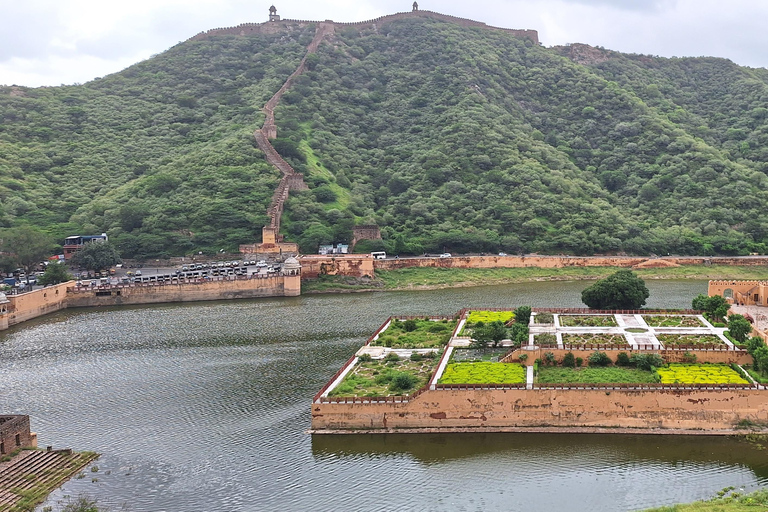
[548, 369]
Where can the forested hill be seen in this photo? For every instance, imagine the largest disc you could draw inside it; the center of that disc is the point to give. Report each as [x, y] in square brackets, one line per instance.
[448, 137]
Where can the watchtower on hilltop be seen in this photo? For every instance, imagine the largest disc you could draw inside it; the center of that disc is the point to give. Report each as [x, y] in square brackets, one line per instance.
[415, 6]
[273, 16]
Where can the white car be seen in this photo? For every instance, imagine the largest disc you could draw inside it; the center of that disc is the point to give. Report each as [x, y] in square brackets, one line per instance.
[445, 255]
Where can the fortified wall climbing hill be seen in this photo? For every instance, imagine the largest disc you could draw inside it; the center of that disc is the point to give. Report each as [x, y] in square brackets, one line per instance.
[291, 180]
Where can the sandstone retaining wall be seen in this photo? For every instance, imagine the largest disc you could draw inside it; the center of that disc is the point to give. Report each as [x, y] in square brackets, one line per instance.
[705, 410]
[242, 288]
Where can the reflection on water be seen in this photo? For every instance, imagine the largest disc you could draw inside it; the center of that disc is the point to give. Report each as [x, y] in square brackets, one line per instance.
[203, 407]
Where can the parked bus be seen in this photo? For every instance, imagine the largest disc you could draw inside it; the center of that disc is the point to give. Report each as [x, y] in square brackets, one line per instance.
[379, 255]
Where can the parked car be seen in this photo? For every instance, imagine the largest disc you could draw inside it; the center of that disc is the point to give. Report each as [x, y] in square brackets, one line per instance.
[445, 255]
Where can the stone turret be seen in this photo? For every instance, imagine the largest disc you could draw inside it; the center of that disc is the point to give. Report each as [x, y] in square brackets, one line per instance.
[415, 6]
[273, 16]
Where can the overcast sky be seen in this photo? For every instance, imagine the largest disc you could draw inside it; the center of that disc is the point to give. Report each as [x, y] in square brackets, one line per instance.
[54, 42]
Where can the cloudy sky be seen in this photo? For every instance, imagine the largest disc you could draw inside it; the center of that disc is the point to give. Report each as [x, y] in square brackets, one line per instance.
[54, 42]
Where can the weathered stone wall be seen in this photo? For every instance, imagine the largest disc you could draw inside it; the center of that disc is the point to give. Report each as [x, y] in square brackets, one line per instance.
[235, 288]
[15, 433]
[313, 266]
[559, 261]
[37, 303]
[707, 410]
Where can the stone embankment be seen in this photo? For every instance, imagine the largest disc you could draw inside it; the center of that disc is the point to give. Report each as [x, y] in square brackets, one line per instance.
[565, 262]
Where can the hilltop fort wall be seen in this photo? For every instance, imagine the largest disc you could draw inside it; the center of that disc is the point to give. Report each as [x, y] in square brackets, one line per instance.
[272, 27]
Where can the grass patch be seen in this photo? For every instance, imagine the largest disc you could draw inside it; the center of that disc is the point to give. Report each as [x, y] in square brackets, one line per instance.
[587, 321]
[416, 334]
[675, 340]
[545, 338]
[430, 277]
[483, 373]
[727, 501]
[679, 373]
[325, 283]
[594, 339]
[613, 375]
[375, 378]
[672, 321]
[759, 377]
[636, 330]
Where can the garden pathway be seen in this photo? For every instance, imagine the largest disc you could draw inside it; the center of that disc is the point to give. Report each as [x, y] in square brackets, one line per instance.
[529, 377]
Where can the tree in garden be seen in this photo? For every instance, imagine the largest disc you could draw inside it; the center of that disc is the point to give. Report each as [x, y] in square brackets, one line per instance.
[26, 247]
[715, 307]
[96, 256]
[491, 332]
[55, 273]
[739, 327]
[620, 290]
[523, 315]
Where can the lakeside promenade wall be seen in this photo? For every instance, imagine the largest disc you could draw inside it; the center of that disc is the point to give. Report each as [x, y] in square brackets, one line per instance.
[714, 410]
[564, 262]
[27, 306]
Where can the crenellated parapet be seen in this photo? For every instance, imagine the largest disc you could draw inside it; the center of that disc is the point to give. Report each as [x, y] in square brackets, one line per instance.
[272, 27]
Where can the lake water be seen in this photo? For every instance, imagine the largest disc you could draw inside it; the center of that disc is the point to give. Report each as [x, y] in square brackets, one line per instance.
[205, 407]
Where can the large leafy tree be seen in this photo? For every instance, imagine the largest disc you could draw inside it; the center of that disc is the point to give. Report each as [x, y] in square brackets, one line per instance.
[25, 247]
[715, 307]
[55, 273]
[96, 256]
[620, 290]
[739, 327]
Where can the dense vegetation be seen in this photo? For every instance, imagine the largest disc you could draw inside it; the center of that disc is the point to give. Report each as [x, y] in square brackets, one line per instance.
[448, 138]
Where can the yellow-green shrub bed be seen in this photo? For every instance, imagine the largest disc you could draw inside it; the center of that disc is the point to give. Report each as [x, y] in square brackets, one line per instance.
[678, 373]
[483, 373]
[489, 316]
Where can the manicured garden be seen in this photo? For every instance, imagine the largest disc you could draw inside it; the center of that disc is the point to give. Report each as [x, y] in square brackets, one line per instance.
[672, 321]
[478, 354]
[675, 340]
[680, 373]
[608, 375]
[575, 340]
[483, 373]
[416, 333]
[489, 316]
[587, 321]
[387, 377]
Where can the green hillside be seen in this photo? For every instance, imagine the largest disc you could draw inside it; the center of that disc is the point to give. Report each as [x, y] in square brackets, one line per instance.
[448, 138]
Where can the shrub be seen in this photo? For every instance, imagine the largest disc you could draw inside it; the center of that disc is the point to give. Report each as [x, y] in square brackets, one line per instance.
[523, 358]
[549, 359]
[391, 357]
[579, 362]
[410, 325]
[365, 358]
[599, 359]
[569, 361]
[622, 359]
[544, 318]
[689, 357]
[415, 356]
[437, 327]
[546, 339]
[646, 361]
[402, 382]
[429, 355]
